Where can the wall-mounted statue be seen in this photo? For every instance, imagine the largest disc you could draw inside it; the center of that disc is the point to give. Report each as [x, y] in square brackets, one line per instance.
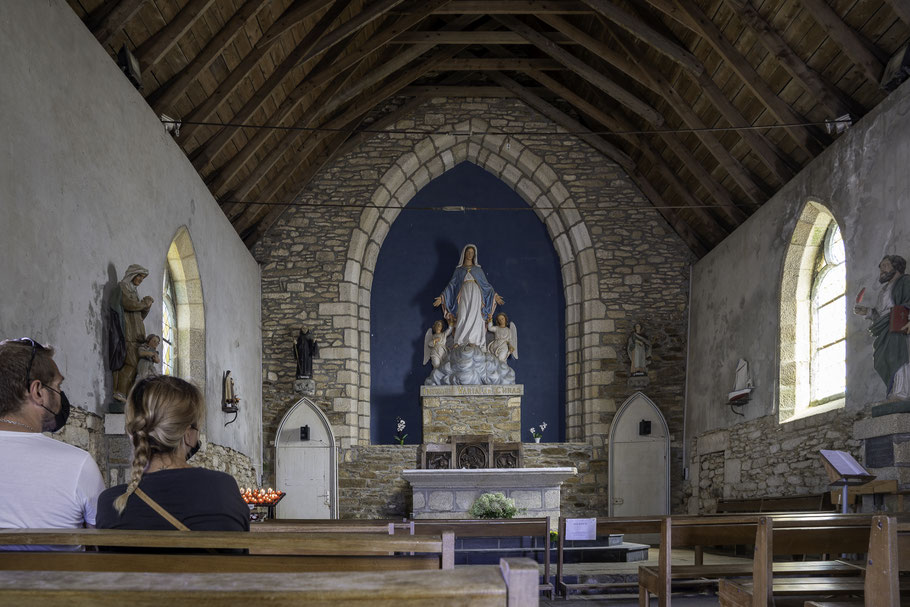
[305, 350]
[890, 327]
[148, 357]
[505, 337]
[469, 300]
[434, 343]
[127, 331]
[639, 349]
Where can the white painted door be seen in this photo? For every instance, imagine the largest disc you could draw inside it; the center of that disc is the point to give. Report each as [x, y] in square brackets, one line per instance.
[639, 463]
[306, 470]
[304, 476]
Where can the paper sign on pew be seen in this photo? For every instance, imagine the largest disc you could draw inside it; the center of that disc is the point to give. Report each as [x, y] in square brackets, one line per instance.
[581, 528]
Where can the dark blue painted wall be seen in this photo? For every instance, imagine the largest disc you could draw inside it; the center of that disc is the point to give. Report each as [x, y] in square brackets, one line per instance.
[415, 263]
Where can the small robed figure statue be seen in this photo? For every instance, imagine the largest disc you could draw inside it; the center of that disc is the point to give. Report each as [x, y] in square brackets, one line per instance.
[305, 350]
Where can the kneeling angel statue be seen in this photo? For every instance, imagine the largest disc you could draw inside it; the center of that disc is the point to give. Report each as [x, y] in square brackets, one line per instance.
[505, 338]
[434, 343]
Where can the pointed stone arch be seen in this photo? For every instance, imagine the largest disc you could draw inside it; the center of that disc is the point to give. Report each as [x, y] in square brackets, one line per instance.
[190, 308]
[539, 185]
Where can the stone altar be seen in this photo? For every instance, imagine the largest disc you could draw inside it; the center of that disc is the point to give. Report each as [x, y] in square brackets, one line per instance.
[440, 494]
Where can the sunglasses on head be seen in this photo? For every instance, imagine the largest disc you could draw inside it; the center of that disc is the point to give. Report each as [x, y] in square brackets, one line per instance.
[35, 346]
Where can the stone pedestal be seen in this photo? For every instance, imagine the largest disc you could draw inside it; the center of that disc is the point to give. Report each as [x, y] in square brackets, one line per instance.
[489, 410]
[440, 494]
[886, 447]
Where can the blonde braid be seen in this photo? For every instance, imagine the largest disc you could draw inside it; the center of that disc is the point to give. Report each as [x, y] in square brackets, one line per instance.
[141, 456]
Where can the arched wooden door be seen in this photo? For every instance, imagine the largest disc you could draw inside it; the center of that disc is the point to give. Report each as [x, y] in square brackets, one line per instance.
[639, 459]
[307, 470]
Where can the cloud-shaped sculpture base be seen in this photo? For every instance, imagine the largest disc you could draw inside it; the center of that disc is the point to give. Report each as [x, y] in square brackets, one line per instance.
[470, 365]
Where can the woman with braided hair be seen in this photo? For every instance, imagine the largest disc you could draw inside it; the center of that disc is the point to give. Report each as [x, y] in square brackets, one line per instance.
[163, 415]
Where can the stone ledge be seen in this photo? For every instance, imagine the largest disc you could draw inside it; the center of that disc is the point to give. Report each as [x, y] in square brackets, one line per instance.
[510, 390]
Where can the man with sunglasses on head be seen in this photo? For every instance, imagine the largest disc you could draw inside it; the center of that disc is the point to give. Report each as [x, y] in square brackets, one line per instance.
[44, 483]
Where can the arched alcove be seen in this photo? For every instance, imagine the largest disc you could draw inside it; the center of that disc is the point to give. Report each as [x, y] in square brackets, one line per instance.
[539, 185]
[416, 261]
[189, 307]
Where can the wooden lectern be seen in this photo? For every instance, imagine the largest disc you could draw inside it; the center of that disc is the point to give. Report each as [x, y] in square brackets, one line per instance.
[844, 471]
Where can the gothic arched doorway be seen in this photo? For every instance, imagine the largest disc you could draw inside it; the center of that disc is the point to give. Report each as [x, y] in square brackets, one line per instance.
[306, 467]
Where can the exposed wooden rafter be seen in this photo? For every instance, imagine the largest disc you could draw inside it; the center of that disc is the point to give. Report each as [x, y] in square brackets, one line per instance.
[152, 50]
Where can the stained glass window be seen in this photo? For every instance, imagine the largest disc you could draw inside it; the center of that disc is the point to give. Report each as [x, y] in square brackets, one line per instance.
[828, 380]
[168, 327]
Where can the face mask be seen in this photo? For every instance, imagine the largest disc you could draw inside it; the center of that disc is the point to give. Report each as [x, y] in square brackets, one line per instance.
[63, 414]
[194, 449]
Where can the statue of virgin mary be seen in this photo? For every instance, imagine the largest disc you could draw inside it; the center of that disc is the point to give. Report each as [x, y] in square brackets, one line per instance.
[469, 300]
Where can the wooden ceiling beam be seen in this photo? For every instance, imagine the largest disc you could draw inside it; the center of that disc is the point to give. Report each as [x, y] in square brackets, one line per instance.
[565, 121]
[644, 32]
[208, 150]
[836, 102]
[164, 97]
[367, 101]
[430, 90]
[901, 8]
[158, 44]
[627, 99]
[617, 124]
[293, 15]
[808, 138]
[110, 18]
[263, 224]
[515, 7]
[487, 64]
[328, 65]
[651, 79]
[868, 58]
[498, 37]
[361, 19]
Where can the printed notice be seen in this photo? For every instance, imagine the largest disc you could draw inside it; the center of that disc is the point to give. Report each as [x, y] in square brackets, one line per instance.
[581, 528]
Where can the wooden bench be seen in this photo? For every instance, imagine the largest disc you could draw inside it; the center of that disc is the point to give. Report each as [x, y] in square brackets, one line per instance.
[510, 584]
[496, 528]
[880, 586]
[604, 526]
[793, 534]
[317, 551]
[816, 502]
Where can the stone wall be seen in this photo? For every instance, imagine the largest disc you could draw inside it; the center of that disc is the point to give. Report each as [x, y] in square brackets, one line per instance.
[478, 410]
[764, 458]
[620, 263]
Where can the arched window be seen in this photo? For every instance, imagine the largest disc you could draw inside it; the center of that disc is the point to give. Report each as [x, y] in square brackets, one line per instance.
[813, 318]
[168, 326]
[828, 374]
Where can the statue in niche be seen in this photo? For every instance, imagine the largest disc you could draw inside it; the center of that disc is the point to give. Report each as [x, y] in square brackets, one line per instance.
[305, 350]
[890, 327]
[505, 338]
[639, 349]
[469, 303]
[434, 343]
[469, 300]
[127, 331]
[148, 357]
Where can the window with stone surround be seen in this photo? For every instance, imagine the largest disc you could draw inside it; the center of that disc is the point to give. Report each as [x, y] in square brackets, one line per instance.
[183, 314]
[813, 318]
[168, 326]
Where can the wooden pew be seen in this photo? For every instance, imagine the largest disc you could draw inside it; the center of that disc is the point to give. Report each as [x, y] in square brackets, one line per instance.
[880, 586]
[604, 526]
[495, 528]
[792, 534]
[511, 584]
[818, 502]
[341, 547]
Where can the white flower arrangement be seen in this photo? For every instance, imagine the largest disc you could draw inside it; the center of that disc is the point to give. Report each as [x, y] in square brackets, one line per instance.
[400, 428]
[535, 433]
[493, 505]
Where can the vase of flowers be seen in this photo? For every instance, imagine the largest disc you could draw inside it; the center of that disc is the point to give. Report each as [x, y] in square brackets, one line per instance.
[493, 505]
[537, 435]
[400, 425]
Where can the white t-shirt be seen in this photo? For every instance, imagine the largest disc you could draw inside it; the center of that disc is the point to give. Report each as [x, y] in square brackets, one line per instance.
[45, 483]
